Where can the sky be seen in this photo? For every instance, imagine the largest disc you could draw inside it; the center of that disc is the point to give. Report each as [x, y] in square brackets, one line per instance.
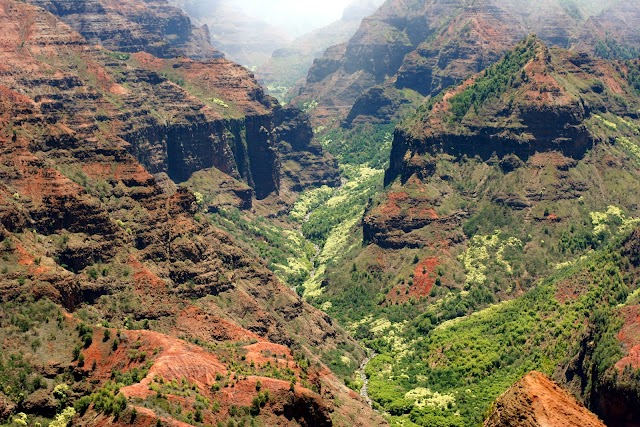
[296, 16]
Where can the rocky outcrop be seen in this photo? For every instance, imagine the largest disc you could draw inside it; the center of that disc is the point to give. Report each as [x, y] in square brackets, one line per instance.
[304, 163]
[632, 248]
[535, 401]
[232, 127]
[397, 223]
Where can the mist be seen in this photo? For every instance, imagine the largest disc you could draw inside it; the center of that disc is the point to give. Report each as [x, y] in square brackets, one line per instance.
[294, 16]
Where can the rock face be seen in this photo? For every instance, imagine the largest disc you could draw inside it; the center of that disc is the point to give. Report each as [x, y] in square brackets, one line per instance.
[131, 26]
[84, 223]
[231, 124]
[426, 46]
[535, 401]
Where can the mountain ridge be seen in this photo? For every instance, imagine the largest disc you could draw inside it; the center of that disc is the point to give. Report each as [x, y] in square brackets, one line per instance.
[435, 45]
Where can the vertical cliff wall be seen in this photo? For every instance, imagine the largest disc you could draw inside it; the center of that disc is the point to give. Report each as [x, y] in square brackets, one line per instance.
[130, 26]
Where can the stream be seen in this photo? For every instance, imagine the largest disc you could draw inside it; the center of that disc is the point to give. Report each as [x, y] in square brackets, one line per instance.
[364, 391]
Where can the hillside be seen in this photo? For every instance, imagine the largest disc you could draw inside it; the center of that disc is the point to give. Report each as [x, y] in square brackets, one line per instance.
[409, 50]
[212, 112]
[535, 401]
[519, 172]
[120, 302]
[179, 249]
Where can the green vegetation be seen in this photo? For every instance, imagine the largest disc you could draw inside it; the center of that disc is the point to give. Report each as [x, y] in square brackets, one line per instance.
[285, 251]
[28, 324]
[194, 402]
[366, 144]
[610, 48]
[495, 80]
[63, 418]
[321, 228]
[455, 371]
[505, 252]
[309, 106]
[633, 75]
[623, 130]
[346, 203]
[107, 400]
[480, 250]
[233, 354]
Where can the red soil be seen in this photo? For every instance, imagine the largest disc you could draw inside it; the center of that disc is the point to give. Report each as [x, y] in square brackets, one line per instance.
[25, 257]
[176, 360]
[423, 213]
[117, 171]
[552, 158]
[424, 277]
[536, 401]
[553, 218]
[571, 289]
[629, 336]
[44, 182]
[144, 278]
[263, 352]
[197, 324]
[391, 207]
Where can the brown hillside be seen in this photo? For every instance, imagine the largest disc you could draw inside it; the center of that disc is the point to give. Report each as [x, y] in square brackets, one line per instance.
[535, 401]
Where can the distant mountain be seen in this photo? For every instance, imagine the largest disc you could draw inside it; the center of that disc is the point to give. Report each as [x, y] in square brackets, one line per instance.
[288, 65]
[242, 38]
[613, 33]
[412, 49]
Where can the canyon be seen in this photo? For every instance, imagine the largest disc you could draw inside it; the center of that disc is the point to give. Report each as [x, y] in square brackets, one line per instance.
[444, 232]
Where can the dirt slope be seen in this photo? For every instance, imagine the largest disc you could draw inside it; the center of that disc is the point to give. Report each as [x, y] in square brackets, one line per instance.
[535, 401]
